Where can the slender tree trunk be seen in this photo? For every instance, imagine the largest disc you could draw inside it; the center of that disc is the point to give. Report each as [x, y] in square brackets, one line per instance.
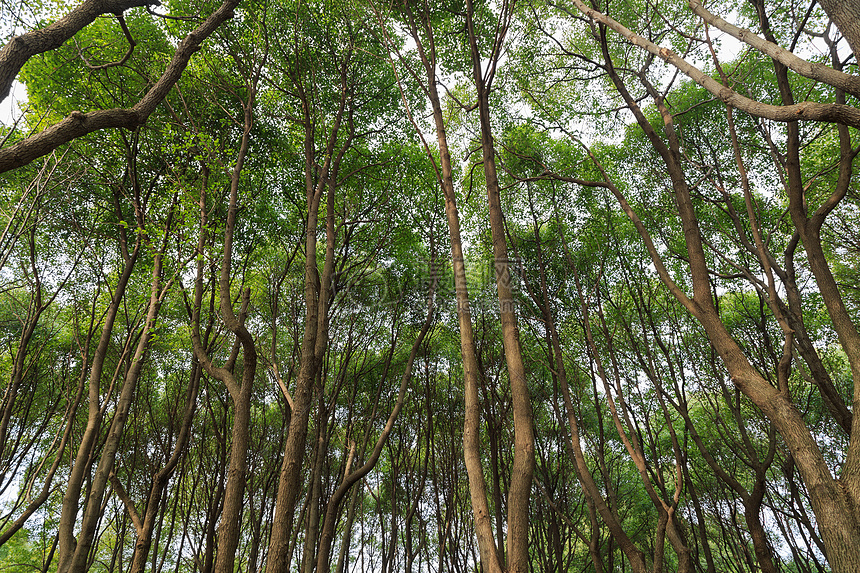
[161, 479]
[472, 415]
[523, 466]
[317, 289]
[67, 544]
[104, 469]
[315, 492]
[239, 390]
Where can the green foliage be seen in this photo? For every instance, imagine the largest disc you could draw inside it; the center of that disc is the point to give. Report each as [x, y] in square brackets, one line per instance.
[566, 149]
[21, 555]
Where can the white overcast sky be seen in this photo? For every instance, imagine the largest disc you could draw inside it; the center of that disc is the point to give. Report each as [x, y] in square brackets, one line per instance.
[9, 109]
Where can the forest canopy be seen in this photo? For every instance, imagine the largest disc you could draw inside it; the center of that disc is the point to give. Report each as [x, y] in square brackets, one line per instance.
[352, 285]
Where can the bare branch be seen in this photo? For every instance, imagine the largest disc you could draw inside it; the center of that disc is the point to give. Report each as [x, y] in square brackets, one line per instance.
[124, 59]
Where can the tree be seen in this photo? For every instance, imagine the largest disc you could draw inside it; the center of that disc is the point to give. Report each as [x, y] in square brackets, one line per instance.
[77, 124]
[829, 499]
[228, 338]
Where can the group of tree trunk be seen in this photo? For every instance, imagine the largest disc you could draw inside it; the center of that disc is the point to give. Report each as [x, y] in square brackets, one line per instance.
[234, 338]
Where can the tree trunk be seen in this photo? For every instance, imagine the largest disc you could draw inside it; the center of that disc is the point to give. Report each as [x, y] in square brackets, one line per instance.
[523, 466]
[67, 543]
[846, 15]
[317, 289]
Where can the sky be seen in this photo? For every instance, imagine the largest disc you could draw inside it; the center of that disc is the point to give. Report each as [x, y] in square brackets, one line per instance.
[9, 109]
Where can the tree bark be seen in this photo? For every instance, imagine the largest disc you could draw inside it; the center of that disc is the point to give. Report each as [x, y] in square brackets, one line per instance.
[846, 15]
[67, 544]
[317, 295]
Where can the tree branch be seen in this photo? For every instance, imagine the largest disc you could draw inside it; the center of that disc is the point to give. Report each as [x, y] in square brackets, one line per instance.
[848, 83]
[78, 124]
[806, 111]
[21, 48]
